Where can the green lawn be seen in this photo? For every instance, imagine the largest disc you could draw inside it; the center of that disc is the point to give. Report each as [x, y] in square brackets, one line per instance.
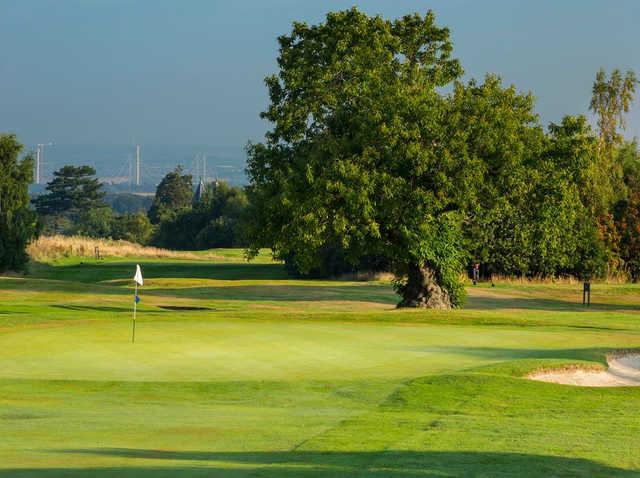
[240, 371]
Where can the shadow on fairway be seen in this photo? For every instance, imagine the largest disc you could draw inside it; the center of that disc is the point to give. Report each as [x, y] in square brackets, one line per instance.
[342, 291]
[488, 303]
[364, 292]
[96, 272]
[90, 308]
[499, 353]
[53, 285]
[307, 464]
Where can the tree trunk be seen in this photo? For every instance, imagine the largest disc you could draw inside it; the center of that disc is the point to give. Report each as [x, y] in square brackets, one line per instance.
[422, 289]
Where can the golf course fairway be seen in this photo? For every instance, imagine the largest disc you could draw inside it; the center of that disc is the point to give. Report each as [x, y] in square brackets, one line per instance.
[241, 371]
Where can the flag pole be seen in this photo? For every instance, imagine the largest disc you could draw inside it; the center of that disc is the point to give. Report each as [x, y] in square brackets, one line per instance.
[137, 278]
[135, 306]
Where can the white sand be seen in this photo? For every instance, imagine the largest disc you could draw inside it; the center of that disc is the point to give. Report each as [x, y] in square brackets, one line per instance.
[623, 371]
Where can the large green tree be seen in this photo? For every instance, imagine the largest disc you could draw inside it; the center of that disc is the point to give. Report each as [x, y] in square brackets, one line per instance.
[532, 190]
[502, 139]
[611, 100]
[173, 194]
[74, 190]
[362, 154]
[612, 97]
[132, 227]
[17, 222]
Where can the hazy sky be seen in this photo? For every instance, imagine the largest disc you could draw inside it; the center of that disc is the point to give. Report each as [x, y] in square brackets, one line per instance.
[191, 72]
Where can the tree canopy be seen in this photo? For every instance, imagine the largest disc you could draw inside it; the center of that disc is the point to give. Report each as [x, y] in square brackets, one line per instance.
[360, 152]
[174, 193]
[369, 157]
[212, 221]
[17, 222]
[610, 101]
[72, 191]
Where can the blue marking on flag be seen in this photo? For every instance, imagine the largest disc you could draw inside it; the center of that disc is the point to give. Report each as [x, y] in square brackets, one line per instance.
[137, 299]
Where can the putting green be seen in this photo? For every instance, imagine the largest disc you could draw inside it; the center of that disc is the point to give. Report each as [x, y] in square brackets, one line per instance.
[258, 375]
[219, 349]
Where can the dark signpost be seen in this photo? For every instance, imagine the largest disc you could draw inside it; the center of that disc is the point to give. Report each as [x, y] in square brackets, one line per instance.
[586, 294]
[476, 273]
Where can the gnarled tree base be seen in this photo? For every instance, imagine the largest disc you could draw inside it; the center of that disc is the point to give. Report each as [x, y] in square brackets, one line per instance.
[422, 290]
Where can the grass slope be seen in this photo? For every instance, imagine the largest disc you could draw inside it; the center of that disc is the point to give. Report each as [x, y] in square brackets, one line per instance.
[274, 377]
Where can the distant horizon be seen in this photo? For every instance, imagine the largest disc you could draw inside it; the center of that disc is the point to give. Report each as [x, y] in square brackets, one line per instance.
[227, 163]
[112, 73]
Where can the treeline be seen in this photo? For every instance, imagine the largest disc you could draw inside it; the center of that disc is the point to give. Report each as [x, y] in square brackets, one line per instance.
[565, 201]
[381, 158]
[178, 217]
[210, 217]
[377, 149]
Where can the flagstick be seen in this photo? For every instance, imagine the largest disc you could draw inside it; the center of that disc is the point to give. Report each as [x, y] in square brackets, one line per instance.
[135, 306]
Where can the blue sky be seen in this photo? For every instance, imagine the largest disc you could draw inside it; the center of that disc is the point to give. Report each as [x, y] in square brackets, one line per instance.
[191, 72]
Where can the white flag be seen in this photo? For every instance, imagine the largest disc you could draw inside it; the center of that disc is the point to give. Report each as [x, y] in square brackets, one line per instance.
[138, 277]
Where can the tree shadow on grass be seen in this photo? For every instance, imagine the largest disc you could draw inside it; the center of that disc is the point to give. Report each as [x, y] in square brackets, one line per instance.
[379, 293]
[52, 285]
[307, 464]
[504, 354]
[488, 303]
[96, 272]
[363, 292]
[89, 308]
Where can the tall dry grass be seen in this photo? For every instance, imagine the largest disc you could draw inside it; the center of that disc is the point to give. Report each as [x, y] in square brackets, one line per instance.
[49, 248]
[619, 278]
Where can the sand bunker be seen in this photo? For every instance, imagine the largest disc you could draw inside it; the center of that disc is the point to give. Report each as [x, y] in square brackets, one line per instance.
[623, 371]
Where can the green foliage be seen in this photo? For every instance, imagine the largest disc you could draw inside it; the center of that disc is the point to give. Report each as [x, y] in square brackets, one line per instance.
[440, 243]
[96, 222]
[333, 263]
[17, 222]
[628, 226]
[74, 190]
[611, 100]
[535, 214]
[132, 228]
[580, 196]
[123, 203]
[628, 156]
[572, 147]
[56, 224]
[214, 221]
[627, 212]
[366, 154]
[590, 257]
[358, 154]
[572, 151]
[499, 133]
[173, 194]
[102, 222]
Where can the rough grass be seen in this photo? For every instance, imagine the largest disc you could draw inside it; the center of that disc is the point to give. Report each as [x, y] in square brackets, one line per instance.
[275, 377]
[51, 248]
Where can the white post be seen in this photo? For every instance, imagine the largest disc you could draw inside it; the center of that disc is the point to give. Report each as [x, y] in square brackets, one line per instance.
[135, 307]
